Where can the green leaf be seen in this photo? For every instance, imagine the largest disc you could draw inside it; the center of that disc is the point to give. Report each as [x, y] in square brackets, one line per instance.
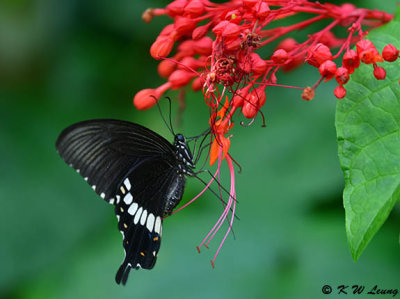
[367, 123]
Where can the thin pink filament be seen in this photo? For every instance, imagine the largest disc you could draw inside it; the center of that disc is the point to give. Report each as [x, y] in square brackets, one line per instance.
[222, 218]
[232, 198]
[219, 165]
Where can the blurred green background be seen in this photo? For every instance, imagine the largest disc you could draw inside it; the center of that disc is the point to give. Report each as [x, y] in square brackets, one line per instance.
[66, 61]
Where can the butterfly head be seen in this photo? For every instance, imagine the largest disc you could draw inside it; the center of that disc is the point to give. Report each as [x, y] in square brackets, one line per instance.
[183, 152]
[179, 138]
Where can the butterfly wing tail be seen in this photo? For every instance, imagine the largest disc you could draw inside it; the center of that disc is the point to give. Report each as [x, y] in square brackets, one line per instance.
[123, 273]
[141, 252]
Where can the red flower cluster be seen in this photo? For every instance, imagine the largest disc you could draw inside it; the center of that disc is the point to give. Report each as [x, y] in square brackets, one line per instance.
[216, 43]
[368, 54]
[215, 49]
[321, 57]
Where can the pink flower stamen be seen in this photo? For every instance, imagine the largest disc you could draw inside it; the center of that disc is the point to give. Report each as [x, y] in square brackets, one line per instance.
[232, 201]
[230, 206]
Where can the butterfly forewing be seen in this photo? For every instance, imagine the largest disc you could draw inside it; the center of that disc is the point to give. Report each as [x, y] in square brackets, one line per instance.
[104, 151]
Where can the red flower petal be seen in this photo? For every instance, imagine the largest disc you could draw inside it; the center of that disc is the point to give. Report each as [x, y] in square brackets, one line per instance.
[180, 78]
[161, 47]
[379, 73]
[145, 99]
[340, 92]
[342, 75]
[390, 53]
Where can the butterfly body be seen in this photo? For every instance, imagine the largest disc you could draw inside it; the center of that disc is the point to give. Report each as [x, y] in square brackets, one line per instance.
[136, 170]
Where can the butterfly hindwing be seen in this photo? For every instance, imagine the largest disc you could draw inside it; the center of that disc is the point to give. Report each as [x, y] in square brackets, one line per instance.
[103, 151]
[141, 203]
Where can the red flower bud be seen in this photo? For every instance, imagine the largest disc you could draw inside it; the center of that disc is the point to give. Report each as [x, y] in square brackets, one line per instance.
[327, 69]
[166, 67]
[167, 30]
[280, 56]
[379, 73]
[340, 92]
[345, 12]
[189, 63]
[390, 53]
[194, 8]
[318, 54]
[258, 65]
[232, 44]
[347, 8]
[176, 7]
[288, 44]
[184, 25]
[295, 62]
[259, 92]
[203, 46]
[351, 61]
[261, 9]
[329, 39]
[180, 78]
[186, 48]
[239, 96]
[231, 30]
[220, 27]
[161, 47]
[146, 98]
[250, 109]
[200, 31]
[249, 3]
[342, 75]
[254, 100]
[244, 63]
[197, 84]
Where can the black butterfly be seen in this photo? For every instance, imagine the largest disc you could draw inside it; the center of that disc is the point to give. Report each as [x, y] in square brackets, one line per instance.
[137, 171]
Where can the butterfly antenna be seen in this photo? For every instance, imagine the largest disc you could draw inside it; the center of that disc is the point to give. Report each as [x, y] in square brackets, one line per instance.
[196, 152]
[201, 148]
[199, 155]
[170, 115]
[170, 128]
[204, 133]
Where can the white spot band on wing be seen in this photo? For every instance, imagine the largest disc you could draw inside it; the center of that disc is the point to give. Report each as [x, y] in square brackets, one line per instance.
[138, 214]
[143, 218]
[150, 222]
[157, 227]
[128, 198]
[133, 208]
[127, 184]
